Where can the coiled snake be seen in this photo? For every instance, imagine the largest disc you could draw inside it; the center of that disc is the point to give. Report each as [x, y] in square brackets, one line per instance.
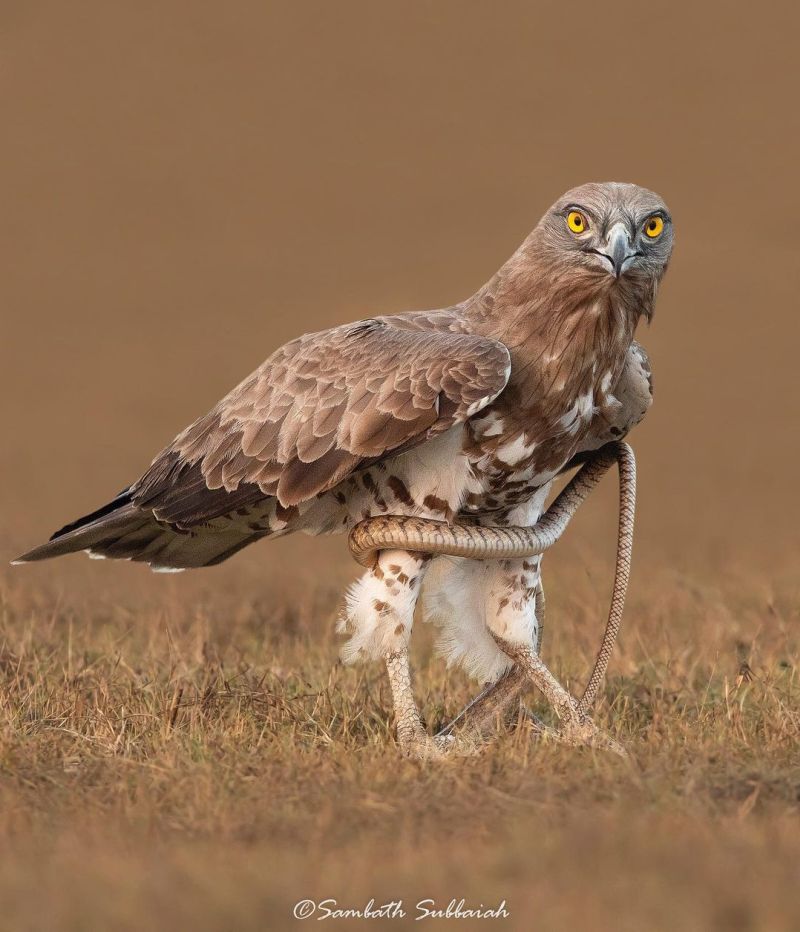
[423, 535]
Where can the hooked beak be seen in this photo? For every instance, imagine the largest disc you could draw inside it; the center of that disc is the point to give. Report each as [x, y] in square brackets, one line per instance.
[617, 249]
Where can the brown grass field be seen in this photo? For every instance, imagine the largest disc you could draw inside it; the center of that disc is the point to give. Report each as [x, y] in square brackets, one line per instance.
[185, 187]
[207, 763]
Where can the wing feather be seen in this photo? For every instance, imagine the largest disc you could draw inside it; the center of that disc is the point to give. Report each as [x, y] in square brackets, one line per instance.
[318, 409]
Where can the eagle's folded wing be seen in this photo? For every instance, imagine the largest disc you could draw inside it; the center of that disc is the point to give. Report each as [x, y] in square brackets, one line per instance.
[316, 410]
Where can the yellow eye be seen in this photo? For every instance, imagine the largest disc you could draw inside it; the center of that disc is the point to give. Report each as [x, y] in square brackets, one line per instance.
[653, 227]
[577, 222]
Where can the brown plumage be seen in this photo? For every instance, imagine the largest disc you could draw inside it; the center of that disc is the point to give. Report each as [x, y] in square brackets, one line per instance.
[506, 388]
[322, 406]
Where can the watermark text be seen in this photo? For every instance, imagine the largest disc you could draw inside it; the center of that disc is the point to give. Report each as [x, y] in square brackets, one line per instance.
[397, 909]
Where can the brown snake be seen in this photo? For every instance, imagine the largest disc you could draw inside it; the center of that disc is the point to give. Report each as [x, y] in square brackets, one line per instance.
[423, 535]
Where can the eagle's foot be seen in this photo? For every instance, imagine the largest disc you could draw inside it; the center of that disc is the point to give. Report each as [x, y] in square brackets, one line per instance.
[577, 731]
[421, 747]
[584, 733]
[575, 728]
[414, 741]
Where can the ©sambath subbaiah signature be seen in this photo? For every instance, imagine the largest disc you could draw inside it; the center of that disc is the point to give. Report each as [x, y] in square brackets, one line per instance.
[423, 909]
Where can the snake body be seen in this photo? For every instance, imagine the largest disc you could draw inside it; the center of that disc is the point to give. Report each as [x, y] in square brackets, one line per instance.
[423, 535]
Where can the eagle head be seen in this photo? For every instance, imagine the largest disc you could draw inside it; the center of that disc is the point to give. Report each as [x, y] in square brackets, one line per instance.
[619, 233]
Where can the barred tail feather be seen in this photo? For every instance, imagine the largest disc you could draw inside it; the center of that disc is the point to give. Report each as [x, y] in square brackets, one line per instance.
[121, 530]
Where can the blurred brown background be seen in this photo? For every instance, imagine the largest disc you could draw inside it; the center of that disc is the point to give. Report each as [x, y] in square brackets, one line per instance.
[188, 185]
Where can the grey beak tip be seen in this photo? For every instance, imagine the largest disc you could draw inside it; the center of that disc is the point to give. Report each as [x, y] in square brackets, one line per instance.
[619, 249]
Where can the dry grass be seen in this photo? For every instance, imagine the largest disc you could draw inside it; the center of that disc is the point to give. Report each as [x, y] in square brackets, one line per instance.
[169, 766]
